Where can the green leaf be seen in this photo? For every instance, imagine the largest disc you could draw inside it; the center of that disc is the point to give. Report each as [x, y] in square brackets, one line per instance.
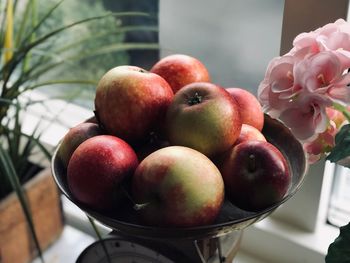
[66, 81]
[7, 168]
[2, 30]
[42, 20]
[23, 51]
[36, 72]
[342, 145]
[120, 30]
[24, 22]
[34, 139]
[339, 250]
[63, 28]
[15, 141]
[4, 102]
[116, 47]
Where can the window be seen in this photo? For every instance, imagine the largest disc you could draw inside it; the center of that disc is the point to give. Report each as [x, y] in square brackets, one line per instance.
[339, 210]
[234, 39]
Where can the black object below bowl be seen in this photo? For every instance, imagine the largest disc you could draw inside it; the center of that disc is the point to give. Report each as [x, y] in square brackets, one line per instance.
[231, 217]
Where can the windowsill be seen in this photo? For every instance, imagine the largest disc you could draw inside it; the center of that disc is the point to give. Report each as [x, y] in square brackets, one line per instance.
[276, 241]
[70, 238]
[270, 240]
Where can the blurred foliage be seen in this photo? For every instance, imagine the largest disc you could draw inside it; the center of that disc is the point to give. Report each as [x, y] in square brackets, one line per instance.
[64, 47]
[86, 38]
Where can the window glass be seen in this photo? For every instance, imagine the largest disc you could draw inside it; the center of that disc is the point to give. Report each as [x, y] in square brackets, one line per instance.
[235, 39]
[339, 209]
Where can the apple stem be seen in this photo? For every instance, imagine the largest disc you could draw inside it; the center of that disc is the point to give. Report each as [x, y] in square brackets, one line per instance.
[251, 163]
[136, 206]
[196, 99]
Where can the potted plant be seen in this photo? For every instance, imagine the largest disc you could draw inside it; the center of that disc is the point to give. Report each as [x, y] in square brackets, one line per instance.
[40, 50]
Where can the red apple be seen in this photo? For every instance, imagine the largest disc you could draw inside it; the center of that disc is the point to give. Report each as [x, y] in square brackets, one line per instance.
[97, 169]
[179, 70]
[249, 133]
[256, 175]
[74, 137]
[178, 186]
[249, 106]
[203, 116]
[130, 102]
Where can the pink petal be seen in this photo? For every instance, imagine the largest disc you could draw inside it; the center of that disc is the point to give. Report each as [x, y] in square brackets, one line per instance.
[301, 123]
[307, 116]
[344, 57]
[340, 91]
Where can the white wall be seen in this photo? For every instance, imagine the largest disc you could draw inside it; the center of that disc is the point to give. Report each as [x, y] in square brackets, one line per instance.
[235, 39]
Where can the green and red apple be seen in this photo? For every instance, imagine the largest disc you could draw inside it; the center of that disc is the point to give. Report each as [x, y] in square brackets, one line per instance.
[178, 187]
[74, 137]
[203, 116]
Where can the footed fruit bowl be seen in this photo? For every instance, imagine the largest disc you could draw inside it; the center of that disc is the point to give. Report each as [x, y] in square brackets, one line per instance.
[231, 218]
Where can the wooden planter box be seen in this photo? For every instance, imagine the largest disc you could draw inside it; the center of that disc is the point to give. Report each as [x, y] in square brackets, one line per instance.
[16, 243]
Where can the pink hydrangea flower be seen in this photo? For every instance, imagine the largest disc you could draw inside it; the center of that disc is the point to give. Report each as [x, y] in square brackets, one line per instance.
[323, 73]
[331, 37]
[307, 116]
[277, 88]
[298, 86]
[298, 91]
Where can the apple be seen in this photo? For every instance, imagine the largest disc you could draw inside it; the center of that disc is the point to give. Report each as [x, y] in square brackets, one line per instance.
[130, 102]
[249, 133]
[179, 70]
[178, 186]
[74, 137]
[256, 175]
[203, 116]
[97, 169]
[249, 106]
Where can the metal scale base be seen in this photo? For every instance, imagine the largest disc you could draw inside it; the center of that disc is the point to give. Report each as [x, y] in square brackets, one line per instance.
[117, 247]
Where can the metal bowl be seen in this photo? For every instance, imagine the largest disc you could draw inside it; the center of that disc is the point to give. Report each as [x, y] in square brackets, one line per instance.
[231, 218]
